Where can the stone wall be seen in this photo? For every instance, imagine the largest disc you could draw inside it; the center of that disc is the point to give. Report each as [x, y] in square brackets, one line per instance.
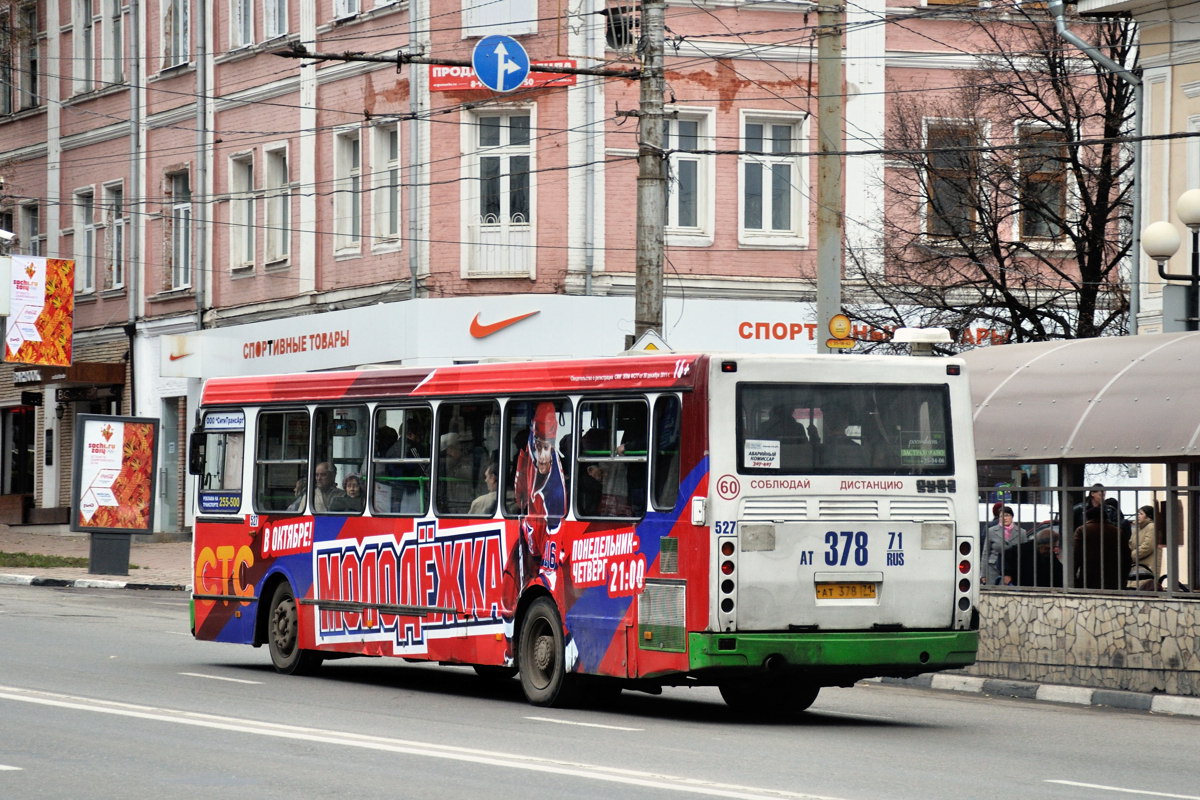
[1149, 644]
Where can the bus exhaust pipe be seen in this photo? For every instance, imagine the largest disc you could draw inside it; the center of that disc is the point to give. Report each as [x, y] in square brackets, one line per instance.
[775, 663]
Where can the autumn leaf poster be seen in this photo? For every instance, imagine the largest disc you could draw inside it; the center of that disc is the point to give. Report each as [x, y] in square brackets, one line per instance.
[41, 325]
[114, 474]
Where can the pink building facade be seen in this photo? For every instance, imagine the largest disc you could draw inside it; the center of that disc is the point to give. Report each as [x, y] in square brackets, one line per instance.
[234, 211]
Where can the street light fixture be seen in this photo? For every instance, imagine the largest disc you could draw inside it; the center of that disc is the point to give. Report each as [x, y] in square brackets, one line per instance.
[1160, 241]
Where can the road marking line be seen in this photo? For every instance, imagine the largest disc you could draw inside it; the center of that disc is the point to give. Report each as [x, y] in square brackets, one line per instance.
[584, 724]
[1126, 791]
[493, 758]
[7, 767]
[220, 678]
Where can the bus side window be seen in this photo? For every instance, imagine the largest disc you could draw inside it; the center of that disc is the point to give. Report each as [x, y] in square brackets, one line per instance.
[281, 461]
[340, 449]
[612, 458]
[535, 469]
[468, 438]
[401, 464]
[665, 464]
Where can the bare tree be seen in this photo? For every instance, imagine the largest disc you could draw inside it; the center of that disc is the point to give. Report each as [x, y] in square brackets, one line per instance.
[1009, 201]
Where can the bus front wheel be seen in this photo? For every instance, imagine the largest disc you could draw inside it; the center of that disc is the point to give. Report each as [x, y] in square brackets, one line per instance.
[541, 655]
[769, 699]
[283, 636]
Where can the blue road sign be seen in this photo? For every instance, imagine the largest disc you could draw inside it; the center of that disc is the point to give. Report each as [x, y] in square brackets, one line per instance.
[500, 63]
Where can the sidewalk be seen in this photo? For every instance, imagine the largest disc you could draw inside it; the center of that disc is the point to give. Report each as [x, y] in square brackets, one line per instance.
[168, 566]
[155, 564]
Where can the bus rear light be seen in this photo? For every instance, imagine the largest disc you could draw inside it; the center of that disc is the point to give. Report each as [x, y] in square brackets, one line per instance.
[727, 567]
[727, 586]
[727, 548]
[964, 603]
[727, 605]
[964, 566]
[964, 585]
[964, 547]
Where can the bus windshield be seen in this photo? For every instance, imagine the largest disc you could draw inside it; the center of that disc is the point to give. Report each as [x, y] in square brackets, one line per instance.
[843, 429]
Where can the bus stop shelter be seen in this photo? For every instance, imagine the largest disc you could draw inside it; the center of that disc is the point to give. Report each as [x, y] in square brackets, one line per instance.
[1110, 400]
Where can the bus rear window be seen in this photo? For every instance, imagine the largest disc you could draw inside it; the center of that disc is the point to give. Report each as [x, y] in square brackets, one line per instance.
[843, 429]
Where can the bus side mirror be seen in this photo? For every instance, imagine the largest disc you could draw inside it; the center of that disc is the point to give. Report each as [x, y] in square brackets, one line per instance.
[196, 453]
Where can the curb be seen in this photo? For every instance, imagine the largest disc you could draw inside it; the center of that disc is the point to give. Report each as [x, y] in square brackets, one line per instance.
[1055, 693]
[89, 583]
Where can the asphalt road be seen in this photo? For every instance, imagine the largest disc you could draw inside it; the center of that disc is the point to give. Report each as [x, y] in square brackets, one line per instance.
[104, 693]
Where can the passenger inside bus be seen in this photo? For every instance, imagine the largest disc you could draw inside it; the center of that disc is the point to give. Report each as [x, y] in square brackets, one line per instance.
[353, 500]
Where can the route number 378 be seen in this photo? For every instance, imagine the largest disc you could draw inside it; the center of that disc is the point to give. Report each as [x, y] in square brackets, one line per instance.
[840, 545]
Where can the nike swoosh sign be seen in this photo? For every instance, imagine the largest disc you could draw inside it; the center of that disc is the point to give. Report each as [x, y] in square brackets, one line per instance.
[175, 357]
[480, 330]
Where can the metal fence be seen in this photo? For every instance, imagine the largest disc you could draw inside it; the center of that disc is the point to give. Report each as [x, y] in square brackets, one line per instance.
[1101, 543]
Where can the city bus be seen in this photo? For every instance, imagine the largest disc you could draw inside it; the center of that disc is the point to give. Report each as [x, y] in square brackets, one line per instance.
[769, 525]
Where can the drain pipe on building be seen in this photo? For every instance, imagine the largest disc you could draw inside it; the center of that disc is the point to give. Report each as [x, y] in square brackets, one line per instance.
[1135, 251]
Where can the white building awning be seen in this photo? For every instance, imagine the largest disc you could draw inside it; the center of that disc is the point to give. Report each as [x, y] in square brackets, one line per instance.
[1106, 400]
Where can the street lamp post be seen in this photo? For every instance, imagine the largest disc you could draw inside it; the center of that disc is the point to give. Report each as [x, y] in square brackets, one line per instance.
[1160, 240]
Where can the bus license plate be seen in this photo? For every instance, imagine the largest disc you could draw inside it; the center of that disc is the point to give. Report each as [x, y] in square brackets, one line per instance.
[845, 591]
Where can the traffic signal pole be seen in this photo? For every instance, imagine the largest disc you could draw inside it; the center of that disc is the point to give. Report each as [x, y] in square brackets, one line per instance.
[830, 221]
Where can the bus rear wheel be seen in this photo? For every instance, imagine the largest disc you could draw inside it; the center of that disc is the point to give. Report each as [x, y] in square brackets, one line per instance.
[769, 699]
[541, 656]
[283, 635]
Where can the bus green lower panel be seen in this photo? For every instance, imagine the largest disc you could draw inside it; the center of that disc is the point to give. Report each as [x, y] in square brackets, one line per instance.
[915, 651]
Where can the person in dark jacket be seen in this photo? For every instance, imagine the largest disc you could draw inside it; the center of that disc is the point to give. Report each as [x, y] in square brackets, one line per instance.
[1100, 555]
[1035, 562]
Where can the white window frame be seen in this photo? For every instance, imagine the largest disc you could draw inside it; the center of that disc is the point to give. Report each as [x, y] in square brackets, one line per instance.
[927, 175]
[241, 23]
[701, 234]
[83, 41]
[275, 18]
[795, 234]
[386, 203]
[509, 17]
[345, 9]
[181, 230]
[278, 200]
[1069, 198]
[176, 33]
[30, 57]
[32, 240]
[115, 229]
[242, 211]
[504, 246]
[348, 190]
[85, 240]
[112, 29]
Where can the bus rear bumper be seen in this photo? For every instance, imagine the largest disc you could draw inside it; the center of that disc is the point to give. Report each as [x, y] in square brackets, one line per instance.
[848, 656]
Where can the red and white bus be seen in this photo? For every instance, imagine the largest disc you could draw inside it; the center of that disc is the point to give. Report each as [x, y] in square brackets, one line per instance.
[765, 524]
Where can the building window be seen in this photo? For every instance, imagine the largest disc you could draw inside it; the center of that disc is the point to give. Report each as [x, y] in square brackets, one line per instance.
[771, 179]
[279, 206]
[181, 230]
[501, 233]
[241, 212]
[345, 8]
[1043, 183]
[485, 17]
[32, 241]
[114, 210]
[30, 57]
[241, 23]
[386, 152]
[275, 18]
[85, 43]
[176, 35]
[8, 87]
[687, 174]
[950, 175]
[85, 241]
[347, 198]
[114, 39]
